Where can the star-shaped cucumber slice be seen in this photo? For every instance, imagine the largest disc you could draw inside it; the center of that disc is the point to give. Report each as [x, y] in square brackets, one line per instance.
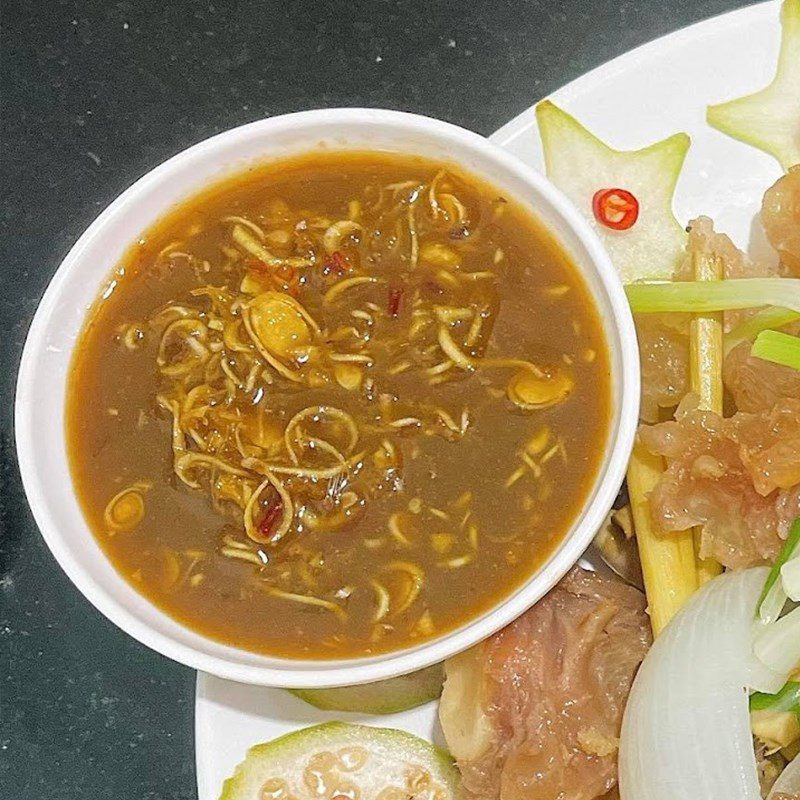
[770, 119]
[581, 165]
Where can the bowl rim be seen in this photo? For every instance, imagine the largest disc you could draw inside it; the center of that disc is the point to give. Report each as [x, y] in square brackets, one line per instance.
[307, 673]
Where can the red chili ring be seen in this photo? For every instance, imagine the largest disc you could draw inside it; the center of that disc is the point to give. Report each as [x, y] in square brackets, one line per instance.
[617, 209]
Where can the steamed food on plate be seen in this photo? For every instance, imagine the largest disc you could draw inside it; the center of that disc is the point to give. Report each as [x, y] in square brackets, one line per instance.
[341, 404]
[720, 481]
[736, 475]
[714, 485]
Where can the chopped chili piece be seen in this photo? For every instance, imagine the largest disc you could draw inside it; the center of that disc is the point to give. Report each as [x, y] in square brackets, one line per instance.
[617, 209]
[336, 263]
[292, 289]
[286, 273]
[282, 278]
[395, 298]
[287, 279]
[271, 515]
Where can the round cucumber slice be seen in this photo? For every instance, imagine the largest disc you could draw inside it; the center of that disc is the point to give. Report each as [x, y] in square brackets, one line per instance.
[383, 697]
[338, 761]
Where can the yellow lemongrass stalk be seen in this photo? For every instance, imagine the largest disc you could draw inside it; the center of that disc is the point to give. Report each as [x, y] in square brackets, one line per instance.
[705, 369]
[668, 560]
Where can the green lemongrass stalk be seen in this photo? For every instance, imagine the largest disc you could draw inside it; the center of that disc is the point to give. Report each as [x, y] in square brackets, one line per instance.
[780, 348]
[699, 297]
[773, 598]
[767, 318]
[787, 699]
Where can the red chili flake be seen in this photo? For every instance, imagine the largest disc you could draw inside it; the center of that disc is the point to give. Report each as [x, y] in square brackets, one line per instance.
[395, 298]
[283, 278]
[286, 273]
[617, 209]
[271, 514]
[286, 279]
[292, 289]
[336, 263]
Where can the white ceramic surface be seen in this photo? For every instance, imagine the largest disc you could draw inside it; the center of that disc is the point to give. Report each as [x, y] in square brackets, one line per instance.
[642, 96]
[46, 362]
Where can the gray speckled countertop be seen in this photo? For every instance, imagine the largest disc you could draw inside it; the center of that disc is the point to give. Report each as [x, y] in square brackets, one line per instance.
[94, 94]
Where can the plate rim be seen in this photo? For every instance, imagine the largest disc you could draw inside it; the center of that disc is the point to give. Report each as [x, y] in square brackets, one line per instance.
[586, 83]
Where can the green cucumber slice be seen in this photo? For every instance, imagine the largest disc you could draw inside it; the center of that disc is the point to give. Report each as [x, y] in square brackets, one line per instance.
[770, 119]
[383, 697]
[580, 164]
[337, 761]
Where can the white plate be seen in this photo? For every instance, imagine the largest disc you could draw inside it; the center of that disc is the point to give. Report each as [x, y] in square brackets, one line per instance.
[644, 95]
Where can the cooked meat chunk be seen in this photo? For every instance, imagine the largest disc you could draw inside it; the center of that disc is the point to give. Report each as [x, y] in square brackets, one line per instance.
[535, 711]
[737, 477]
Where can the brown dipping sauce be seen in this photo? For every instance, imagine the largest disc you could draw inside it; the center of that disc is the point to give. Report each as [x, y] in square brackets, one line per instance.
[338, 405]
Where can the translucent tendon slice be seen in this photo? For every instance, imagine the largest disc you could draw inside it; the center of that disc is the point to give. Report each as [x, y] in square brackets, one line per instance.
[581, 165]
[770, 119]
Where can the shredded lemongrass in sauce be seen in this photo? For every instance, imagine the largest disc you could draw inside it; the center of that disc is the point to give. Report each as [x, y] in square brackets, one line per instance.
[307, 370]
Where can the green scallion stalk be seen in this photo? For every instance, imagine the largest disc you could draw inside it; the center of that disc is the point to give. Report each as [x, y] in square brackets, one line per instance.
[700, 297]
[780, 348]
[787, 699]
[773, 598]
[767, 318]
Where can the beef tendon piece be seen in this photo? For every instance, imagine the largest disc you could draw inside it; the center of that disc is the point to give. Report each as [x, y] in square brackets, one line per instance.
[780, 215]
[738, 477]
[535, 711]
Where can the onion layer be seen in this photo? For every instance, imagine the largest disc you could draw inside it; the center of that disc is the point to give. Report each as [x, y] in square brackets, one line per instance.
[686, 729]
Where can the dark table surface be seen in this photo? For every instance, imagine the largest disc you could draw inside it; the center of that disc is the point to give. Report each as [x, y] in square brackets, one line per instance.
[94, 94]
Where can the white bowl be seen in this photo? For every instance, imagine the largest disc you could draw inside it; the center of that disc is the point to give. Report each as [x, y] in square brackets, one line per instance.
[44, 371]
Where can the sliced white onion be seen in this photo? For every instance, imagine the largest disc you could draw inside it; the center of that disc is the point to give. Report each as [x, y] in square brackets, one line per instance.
[686, 730]
[778, 645]
[762, 678]
[790, 579]
[788, 781]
